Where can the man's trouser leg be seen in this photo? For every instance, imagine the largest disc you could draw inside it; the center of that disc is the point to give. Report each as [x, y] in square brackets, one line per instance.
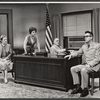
[85, 76]
[74, 72]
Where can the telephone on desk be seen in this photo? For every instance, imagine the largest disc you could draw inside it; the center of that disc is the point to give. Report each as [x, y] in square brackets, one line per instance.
[62, 55]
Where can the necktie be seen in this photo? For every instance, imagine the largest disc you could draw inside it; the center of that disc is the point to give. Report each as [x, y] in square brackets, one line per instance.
[88, 46]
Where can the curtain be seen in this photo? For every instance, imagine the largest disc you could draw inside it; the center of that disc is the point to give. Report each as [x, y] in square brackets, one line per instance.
[55, 25]
[95, 25]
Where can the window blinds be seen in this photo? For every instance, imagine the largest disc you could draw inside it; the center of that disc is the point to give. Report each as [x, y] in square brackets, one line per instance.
[76, 24]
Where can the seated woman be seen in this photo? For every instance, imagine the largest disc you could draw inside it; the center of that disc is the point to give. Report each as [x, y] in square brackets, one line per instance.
[30, 41]
[56, 48]
[5, 57]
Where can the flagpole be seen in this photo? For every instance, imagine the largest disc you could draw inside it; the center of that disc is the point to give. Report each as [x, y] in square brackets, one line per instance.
[48, 35]
[47, 4]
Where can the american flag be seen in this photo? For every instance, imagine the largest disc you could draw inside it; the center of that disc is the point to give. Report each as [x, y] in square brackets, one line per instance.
[48, 35]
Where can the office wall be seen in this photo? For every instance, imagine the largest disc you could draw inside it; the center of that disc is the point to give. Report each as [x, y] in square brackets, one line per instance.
[73, 7]
[25, 16]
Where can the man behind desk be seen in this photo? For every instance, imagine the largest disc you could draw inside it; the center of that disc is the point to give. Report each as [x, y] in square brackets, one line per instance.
[91, 51]
[56, 48]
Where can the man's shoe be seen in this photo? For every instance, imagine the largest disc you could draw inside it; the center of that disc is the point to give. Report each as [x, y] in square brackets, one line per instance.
[84, 93]
[77, 90]
[73, 92]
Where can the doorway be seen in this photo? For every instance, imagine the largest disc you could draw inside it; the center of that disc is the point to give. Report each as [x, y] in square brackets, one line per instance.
[6, 25]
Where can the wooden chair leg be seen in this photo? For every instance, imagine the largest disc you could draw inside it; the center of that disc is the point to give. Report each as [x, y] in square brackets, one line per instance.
[92, 86]
[89, 83]
[12, 74]
[99, 83]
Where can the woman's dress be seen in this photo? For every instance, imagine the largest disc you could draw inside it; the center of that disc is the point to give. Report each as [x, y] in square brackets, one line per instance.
[5, 52]
[31, 41]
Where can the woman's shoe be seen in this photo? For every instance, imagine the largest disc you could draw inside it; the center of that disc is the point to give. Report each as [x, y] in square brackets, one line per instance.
[5, 81]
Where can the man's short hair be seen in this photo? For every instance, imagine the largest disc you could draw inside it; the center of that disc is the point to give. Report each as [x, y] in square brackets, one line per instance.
[89, 33]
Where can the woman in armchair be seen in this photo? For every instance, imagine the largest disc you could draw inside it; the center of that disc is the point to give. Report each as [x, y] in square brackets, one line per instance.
[5, 57]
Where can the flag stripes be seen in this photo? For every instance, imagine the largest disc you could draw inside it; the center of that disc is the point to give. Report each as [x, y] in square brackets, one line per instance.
[48, 35]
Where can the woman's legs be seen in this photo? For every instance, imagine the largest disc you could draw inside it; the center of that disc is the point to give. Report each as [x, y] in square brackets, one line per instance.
[5, 75]
[4, 69]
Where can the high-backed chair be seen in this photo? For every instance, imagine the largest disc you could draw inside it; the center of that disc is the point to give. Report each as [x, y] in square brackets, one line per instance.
[93, 75]
[12, 71]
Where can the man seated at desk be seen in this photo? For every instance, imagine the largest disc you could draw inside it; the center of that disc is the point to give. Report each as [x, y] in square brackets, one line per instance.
[56, 48]
[91, 51]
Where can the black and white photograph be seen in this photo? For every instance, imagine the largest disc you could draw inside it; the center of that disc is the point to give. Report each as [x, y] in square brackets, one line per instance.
[49, 50]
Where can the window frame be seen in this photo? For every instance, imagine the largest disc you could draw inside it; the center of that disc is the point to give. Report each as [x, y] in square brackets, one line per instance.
[77, 12]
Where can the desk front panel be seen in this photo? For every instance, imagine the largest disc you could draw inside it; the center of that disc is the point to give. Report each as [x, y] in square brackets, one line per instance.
[48, 72]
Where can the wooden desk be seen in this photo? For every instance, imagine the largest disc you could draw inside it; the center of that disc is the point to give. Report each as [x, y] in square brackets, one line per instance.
[44, 71]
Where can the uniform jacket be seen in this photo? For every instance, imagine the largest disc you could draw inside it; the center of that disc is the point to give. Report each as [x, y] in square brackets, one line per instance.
[91, 55]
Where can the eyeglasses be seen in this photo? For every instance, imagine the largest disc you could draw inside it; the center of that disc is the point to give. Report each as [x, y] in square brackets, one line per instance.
[87, 36]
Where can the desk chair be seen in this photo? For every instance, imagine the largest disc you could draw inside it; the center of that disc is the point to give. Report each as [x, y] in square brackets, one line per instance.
[93, 75]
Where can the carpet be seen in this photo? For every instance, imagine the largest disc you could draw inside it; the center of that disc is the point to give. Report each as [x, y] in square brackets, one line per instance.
[16, 90]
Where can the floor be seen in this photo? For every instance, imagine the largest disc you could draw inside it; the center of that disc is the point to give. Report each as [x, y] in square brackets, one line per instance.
[14, 90]
[96, 91]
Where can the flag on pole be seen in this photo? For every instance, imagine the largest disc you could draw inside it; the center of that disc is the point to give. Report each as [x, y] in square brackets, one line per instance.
[48, 35]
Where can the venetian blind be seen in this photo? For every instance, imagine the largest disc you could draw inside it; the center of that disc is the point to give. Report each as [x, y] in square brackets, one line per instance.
[76, 24]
